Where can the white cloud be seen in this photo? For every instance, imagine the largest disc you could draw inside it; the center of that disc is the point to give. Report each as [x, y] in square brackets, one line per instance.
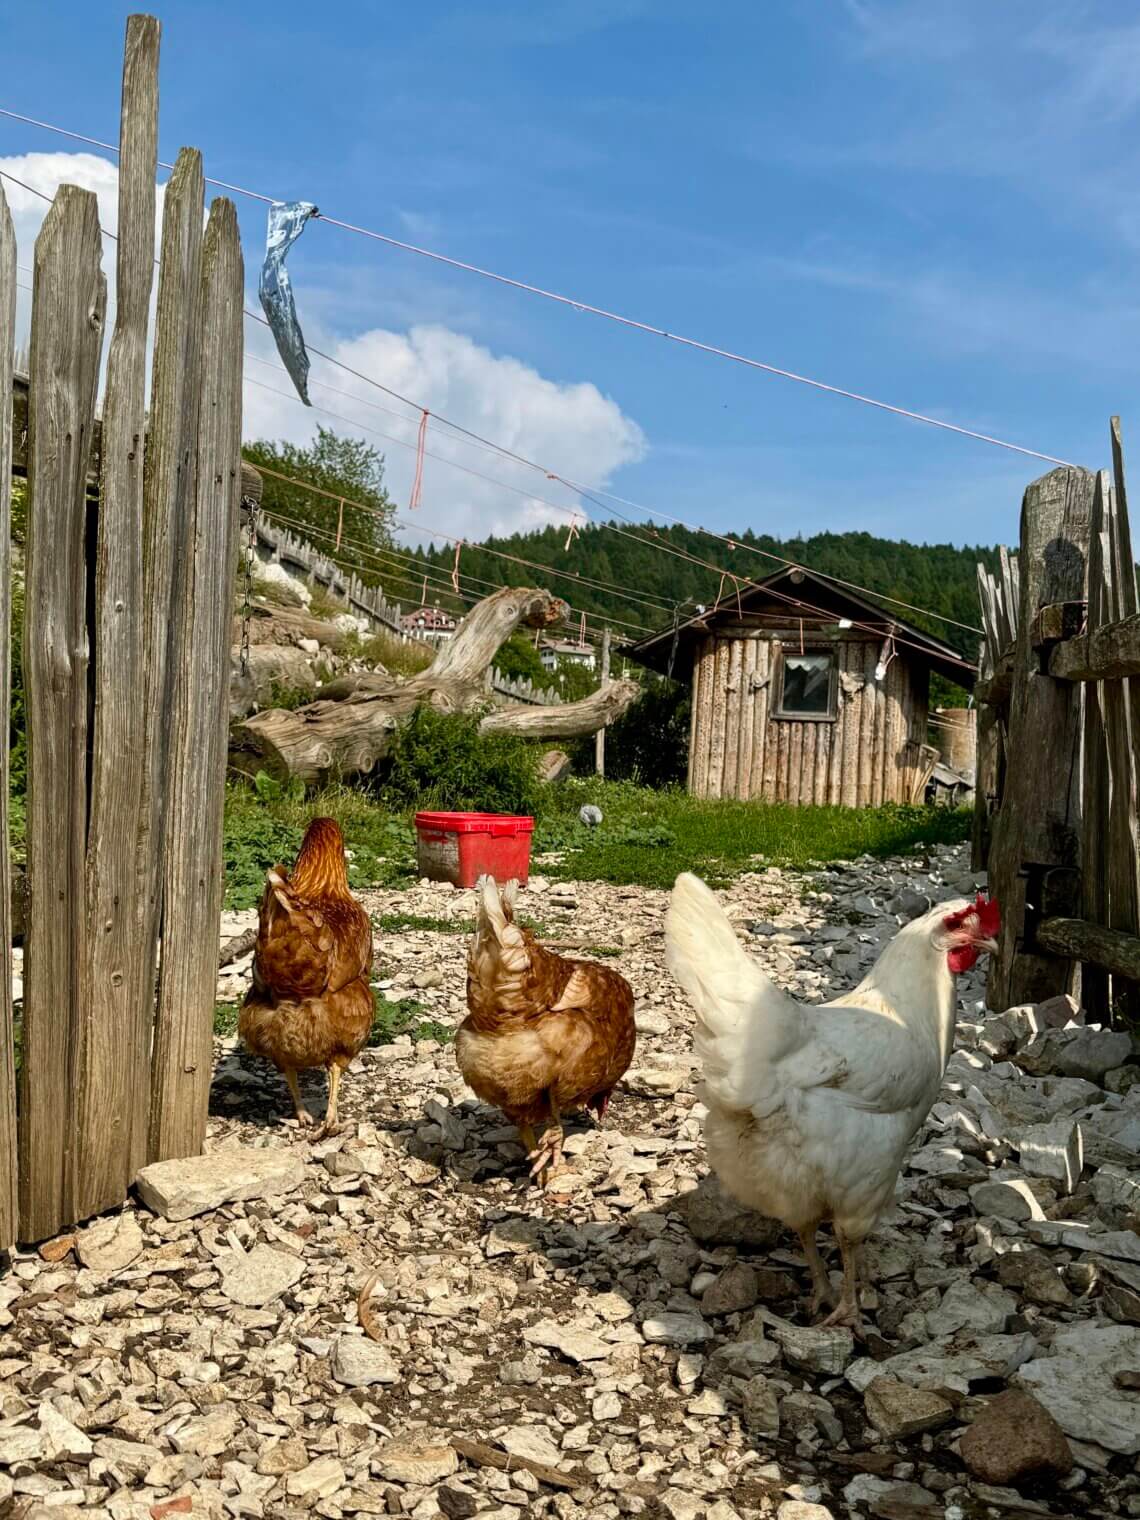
[569, 427]
[45, 172]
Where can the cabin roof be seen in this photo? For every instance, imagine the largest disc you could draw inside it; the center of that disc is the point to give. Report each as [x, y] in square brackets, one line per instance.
[798, 590]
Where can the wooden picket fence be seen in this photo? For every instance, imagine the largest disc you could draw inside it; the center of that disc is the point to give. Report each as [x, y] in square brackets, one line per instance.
[128, 586]
[1058, 735]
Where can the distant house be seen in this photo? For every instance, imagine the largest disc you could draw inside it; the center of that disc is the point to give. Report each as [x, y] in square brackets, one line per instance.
[429, 623]
[805, 692]
[552, 654]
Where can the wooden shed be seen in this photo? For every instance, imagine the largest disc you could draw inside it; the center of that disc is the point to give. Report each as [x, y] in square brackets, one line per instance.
[805, 692]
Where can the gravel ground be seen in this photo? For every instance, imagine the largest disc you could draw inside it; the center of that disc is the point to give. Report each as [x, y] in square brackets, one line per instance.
[628, 1342]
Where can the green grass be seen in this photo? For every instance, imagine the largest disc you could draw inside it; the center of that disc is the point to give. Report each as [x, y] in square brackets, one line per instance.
[398, 923]
[264, 826]
[647, 837]
[405, 1016]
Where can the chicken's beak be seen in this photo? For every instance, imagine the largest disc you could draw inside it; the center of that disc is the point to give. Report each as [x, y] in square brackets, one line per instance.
[986, 946]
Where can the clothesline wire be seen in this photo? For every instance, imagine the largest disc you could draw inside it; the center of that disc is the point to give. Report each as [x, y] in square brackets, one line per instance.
[439, 580]
[587, 495]
[576, 304]
[592, 494]
[419, 568]
[659, 603]
[885, 631]
[452, 539]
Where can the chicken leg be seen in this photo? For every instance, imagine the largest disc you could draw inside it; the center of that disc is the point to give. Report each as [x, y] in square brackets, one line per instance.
[330, 1125]
[548, 1151]
[822, 1291]
[304, 1117]
[846, 1312]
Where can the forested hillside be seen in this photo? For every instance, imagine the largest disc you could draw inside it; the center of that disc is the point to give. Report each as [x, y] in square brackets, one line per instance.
[657, 569]
[936, 576]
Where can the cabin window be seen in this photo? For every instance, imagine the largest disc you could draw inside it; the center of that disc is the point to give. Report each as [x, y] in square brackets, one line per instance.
[807, 685]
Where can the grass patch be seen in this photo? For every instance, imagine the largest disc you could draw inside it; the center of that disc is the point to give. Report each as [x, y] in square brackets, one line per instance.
[405, 1016]
[647, 837]
[264, 826]
[381, 648]
[226, 1019]
[397, 923]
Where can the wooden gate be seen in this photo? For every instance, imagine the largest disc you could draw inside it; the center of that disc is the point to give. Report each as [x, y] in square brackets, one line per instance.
[128, 595]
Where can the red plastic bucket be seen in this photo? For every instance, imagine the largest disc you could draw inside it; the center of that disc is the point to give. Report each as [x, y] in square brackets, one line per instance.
[461, 847]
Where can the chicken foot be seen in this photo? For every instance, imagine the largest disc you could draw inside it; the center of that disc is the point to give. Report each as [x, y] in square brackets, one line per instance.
[846, 1312]
[304, 1117]
[822, 1291]
[548, 1151]
[330, 1125]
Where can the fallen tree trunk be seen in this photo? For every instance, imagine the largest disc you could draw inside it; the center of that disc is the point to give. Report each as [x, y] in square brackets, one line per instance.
[350, 729]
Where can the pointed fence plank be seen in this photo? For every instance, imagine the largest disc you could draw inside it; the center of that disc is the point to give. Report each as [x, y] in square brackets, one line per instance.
[114, 1036]
[68, 309]
[1096, 758]
[168, 508]
[9, 1187]
[199, 732]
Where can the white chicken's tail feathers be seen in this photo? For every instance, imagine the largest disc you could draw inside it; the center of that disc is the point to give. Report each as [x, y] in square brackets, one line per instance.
[743, 1021]
[704, 954]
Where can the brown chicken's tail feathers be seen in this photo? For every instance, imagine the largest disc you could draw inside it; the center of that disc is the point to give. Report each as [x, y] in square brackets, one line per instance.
[498, 908]
[495, 923]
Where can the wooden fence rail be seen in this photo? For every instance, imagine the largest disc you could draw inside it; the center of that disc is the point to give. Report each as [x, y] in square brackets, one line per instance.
[128, 592]
[1060, 711]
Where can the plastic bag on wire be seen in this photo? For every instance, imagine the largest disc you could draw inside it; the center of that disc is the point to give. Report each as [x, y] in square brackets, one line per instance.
[286, 223]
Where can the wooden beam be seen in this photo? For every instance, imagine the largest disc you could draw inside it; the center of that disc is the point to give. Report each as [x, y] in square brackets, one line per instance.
[600, 738]
[251, 481]
[1059, 620]
[1109, 653]
[1078, 940]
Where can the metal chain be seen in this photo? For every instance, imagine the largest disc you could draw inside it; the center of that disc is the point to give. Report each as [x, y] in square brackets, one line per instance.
[250, 509]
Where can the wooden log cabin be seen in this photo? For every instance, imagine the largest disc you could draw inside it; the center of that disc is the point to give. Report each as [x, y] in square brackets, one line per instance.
[805, 692]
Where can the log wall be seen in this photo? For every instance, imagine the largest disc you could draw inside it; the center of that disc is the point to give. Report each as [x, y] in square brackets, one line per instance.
[873, 751]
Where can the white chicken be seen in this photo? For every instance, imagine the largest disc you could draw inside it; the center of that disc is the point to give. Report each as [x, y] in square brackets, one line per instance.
[811, 1107]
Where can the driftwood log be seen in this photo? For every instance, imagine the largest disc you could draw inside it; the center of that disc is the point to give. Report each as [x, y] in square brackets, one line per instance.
[350, 728]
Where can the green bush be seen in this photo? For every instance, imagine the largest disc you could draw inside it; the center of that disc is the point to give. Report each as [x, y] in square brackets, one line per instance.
[649, 744]
[441, 760]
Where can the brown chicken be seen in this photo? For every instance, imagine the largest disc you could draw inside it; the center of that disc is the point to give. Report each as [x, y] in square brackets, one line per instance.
[311, 1002]
[544, 1035]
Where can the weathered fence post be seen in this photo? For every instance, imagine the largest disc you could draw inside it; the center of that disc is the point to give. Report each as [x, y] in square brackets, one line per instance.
[113, 1024]
[600, 737]
[168, 503]
[192, 897]
[68, 308]
[1114, 859]
[1038, 828]
[9, 1186]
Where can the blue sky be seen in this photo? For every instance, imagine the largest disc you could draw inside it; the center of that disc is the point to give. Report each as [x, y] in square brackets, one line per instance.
[934, 203]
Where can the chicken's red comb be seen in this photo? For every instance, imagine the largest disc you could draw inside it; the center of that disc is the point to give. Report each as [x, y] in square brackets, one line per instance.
[988, 915]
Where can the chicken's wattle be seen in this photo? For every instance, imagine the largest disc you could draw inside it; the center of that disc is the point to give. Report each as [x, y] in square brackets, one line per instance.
[962, 958]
